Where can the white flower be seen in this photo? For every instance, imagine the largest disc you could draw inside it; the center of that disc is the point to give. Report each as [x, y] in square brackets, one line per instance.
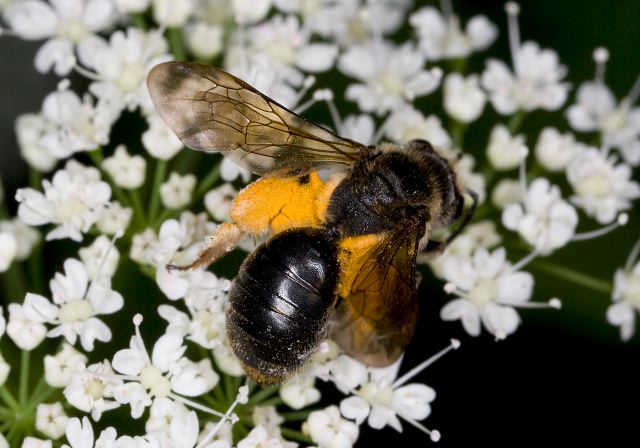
[504, 150]
[204, 40]
[349, 22]
[176, 192]
[172, 13]
[442, 38]
[122, 65]
[247, 12]
[80, 435]
[470, 179]
[29, 131]
[59, 368]
[626, 298]
[219, 200]
[554, 151]
[408, 123]
[173, 423]
[76, 303]
[90, 389]
[329, 430]
[5, 369]
[51, 419]
[299, 392]
[259, 437]
[480, 234]
[165, 372]
[100, 258]
[506, 192]
[25, 236]
[159, 140]
[463, 98]
[115, 218]
[389, 75]
[602, 188]
[74, 124]
[74, 200]
[65, 23]
[132, 6]
[230, 171]
[268, 417]
[359, 128]
[126, 171]
[287, 46]
[596, 109]
[535, 82]
[544, 220]
[8, 250]
[487, 288]
[205, 323]
[34, 442]
[381, 400]
[26, 333]
[227, 361]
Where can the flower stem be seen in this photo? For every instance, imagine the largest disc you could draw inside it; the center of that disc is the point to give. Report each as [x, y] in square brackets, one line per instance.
[579, 278]
[138, 210]
[7, 397]
[295, 435]
[457, 130]
[263, 395]
[24, 376]
[208, 182]
[516, 121]
[35, 179]
[275, 401]
[139, 21]
[297, 416]
[40, 393]
[175, 43]
[158, 178]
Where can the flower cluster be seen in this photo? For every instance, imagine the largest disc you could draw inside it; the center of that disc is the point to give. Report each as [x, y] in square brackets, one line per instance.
[121, 205]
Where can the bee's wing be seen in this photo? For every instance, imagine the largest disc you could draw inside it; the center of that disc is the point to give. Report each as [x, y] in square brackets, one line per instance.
[211, 110]
[376, 322]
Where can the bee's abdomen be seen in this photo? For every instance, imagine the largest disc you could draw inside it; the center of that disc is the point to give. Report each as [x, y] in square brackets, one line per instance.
[280, 302]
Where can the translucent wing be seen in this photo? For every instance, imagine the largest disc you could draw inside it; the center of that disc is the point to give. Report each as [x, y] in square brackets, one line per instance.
[211, 110]
[376, 322]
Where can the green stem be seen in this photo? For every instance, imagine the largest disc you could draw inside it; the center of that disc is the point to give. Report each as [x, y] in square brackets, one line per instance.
[158, 178]
[275, 401]
[175, 43]
[295, 435]
[208, 182]
[138, 210]
[167, 213]
[35, 268]
[35, 179]
[457, 131]
[139, 21]
[24, 376]
[7, 397]
[516, 121]
[6, 413]
[14, 283]
[40, 393]
[6, 425]
[576, 277]
[297, 416]
[263, 395]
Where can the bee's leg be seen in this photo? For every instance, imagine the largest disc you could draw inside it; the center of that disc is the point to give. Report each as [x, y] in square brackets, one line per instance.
[217, 245]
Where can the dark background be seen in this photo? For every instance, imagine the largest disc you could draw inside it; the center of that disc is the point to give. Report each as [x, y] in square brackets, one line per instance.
[564, 377]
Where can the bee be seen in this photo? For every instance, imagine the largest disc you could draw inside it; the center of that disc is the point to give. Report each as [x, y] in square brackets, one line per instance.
[347, 222]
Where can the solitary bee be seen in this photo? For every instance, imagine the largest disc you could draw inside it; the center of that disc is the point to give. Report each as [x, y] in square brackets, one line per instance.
[347, 223]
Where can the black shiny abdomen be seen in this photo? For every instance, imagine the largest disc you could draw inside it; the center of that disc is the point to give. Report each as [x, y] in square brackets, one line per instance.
[280, 302]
